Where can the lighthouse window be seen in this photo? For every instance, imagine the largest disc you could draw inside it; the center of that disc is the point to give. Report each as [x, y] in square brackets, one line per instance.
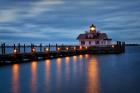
[82, 42]
[89, 42]
[102, 42]
[97, 42]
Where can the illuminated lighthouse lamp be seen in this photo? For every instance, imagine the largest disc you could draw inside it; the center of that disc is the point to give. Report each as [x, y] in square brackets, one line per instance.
[92, 28]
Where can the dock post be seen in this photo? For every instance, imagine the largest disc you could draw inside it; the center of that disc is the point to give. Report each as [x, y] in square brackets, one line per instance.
[31, 47]
[56, 46]
[40, 47]
[19, 47]
[117, 43]
[123, 46]
[61, 46]
[1, 48]
[120, 46]
[120, 43]
[4, 48]
[24, 48]
[14, 46]
[49, 46]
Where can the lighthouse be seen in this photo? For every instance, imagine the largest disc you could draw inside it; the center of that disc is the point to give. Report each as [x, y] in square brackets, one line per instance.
[94, 38]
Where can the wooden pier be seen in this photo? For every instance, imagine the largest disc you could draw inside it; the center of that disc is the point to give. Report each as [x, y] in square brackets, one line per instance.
[45, 52]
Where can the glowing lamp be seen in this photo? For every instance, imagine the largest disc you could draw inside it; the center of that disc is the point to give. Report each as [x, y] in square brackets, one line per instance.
[92, 28]
[58, 49]
[46, 49]
[80, 47]
[67, 48]
[112, 46]
[33, 50]
[86, 47]
[15, 50]
[74, 48]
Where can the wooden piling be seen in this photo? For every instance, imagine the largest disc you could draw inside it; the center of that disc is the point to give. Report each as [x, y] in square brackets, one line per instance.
[49, 47]
[14, 46]
[56, 47]
[31, 47]
[123, 46]
[4, 48]
[40, 47]
[24, 48]
[18, 47]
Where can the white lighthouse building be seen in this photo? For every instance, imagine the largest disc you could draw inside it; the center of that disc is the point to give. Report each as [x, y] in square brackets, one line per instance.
[94, 38]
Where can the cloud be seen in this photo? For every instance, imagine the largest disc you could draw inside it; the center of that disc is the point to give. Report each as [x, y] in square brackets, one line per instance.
[40, 33]
[8, 15]
[43, 6]
[25, 10]
[61, 20]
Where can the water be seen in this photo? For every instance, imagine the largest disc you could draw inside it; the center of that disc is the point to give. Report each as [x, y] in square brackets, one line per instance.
[78, 74]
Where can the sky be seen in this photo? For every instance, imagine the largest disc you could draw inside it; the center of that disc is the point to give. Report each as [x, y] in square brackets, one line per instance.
[61, 21]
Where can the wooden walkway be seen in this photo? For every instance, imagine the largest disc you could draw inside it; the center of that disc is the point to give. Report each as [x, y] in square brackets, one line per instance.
[45, 52]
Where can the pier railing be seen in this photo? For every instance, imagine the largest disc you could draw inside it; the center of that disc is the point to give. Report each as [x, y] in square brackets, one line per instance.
[22, 48]
[24, 52]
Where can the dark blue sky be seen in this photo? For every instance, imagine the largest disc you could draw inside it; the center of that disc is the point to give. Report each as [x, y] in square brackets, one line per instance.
[58, 21]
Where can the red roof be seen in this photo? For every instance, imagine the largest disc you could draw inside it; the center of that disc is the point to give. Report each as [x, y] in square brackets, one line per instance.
[93, 36]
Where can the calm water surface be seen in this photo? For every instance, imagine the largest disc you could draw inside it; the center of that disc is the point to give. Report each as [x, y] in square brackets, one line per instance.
[78, 74]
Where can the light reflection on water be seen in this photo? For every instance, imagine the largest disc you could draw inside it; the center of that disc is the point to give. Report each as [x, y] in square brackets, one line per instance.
[93, 78]
[15, 78]
[48, 78]
[74, 67]
[80, 57]
[58, 72]
[71, 68]
[67, 68]
[86, 56]
[33, 76]
[74, 58]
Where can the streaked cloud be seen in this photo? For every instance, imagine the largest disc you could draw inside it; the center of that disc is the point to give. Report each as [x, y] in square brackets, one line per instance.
[63, 20]
[7, 15]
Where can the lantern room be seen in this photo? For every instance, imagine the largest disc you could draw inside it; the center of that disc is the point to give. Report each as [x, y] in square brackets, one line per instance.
[93, 28]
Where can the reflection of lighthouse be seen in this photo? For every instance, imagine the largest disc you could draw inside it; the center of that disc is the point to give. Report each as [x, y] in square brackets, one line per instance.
[92, 76]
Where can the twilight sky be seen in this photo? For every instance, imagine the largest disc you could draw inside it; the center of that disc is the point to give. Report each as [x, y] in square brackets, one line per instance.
[60, 21]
